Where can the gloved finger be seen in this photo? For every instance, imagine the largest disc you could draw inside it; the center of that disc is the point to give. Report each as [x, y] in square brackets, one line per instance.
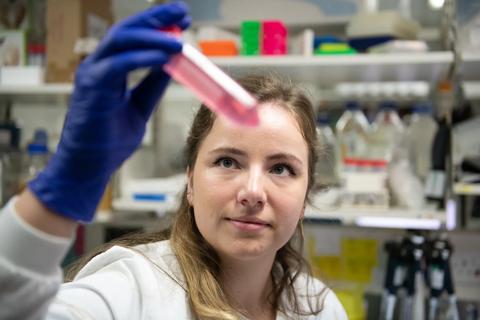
[136, 39]
[159, 16]
[184, 23]
[147, 93]
[113, 70]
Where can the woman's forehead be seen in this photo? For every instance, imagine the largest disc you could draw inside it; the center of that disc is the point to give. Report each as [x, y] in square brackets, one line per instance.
[278, 129]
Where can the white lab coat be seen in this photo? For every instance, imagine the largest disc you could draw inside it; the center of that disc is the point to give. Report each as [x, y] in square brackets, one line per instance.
[140, 283]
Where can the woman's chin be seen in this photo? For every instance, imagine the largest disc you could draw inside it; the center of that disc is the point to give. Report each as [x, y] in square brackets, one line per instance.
[247, 250]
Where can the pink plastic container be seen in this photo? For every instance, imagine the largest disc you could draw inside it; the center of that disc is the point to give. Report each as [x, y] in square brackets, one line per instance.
[274, 27]
[212, 86]
[274, 38]
[274, 48]
[274, 51]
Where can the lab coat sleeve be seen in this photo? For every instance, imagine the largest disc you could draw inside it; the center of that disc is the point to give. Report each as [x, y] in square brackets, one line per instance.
[333, 309]
[30, 273]
[30, 278]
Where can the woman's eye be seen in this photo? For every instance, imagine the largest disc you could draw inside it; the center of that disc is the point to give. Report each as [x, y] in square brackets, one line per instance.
[283, 170]
[226, 163]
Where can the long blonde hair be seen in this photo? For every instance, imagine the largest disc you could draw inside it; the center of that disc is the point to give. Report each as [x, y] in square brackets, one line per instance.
[198, 260]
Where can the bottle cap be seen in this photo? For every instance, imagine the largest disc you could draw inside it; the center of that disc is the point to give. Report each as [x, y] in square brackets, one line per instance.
[387, 105]
[39, 142]
[352, 105]
[323, 119]
[36, 48]
[445, 86]
[422, 108]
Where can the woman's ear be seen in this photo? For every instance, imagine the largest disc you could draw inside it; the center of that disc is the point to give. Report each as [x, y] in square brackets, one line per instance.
[189, 186]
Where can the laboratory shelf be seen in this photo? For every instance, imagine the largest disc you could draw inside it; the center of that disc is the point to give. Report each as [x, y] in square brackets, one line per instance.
[43, 89]
[388, 218]
[45, 93]
[129, 205]
[380, 218]
[321, 70]
[463, 188]
[470, 66]
[324, 70]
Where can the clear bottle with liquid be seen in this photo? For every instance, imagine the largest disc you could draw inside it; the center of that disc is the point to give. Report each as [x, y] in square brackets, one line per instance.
[352, 133]
[36, 158]
[419, 139]
[326, 168]
[387, 135]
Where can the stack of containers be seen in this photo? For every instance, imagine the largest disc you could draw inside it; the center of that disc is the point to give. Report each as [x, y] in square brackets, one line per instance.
[215, 41]
[250, 33]
[363, 178]
[274, 38]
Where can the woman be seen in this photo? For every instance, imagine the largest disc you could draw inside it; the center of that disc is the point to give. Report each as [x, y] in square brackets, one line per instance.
[234, 248]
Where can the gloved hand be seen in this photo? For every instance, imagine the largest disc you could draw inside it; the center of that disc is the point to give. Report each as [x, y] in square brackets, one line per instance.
[106, 120]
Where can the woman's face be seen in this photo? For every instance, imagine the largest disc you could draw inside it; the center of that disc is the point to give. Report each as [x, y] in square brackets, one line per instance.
[248, 186]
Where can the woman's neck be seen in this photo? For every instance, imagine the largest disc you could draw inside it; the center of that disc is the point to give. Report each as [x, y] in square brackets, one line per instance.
[248, 284]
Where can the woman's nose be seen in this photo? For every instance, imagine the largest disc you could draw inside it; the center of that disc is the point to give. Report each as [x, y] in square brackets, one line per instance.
[252, 193]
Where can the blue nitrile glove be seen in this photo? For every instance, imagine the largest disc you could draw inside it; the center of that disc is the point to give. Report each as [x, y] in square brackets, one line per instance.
[106, 121]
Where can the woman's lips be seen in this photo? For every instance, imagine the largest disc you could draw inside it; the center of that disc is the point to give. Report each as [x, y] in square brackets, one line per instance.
[248, 224]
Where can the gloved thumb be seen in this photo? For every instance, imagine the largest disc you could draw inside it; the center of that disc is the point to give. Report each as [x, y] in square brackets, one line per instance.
[147, 93]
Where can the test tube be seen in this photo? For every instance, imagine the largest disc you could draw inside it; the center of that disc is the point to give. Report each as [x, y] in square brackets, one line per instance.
[212, 86]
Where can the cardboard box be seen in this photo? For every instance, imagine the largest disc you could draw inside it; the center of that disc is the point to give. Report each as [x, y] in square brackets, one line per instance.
[67, 22]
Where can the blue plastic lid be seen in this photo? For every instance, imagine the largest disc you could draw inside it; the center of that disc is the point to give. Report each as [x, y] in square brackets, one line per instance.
[39, 144]
[388, 105]
[323, 119]
[319, 40]
[34, 148]
[422, 108]
[352, 105]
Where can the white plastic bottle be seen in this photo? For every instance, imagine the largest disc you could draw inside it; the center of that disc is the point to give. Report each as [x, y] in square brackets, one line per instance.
[352, 133]
[387, 136]
[326, 169]
[419, 138]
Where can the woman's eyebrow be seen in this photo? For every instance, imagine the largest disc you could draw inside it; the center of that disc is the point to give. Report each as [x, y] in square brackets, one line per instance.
[285, 156]
[229, 150]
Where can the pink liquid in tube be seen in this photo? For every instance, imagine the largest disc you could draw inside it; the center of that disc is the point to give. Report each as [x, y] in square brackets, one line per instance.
[212, 86]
